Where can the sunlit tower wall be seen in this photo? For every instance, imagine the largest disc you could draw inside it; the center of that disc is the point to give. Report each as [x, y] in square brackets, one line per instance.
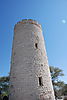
[30, 75]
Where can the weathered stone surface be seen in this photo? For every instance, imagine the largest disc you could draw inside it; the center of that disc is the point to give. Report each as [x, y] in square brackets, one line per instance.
[30, 76]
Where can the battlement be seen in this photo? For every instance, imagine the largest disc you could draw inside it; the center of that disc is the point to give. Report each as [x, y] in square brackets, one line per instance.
[29, 21]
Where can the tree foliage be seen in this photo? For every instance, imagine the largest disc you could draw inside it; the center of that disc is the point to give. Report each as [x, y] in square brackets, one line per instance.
[4, 86]
[64, 90]
[56, 73]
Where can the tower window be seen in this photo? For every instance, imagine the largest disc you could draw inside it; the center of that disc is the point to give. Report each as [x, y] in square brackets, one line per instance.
[40, 81]
[36, 45]
[41, 64]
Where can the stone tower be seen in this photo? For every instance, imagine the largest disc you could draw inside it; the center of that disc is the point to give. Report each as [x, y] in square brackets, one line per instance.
[30, 76]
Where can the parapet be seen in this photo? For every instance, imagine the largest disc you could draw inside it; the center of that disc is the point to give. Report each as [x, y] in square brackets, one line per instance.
[29, 21]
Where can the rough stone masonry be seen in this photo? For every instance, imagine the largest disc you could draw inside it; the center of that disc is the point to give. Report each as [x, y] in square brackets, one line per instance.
[29, 76]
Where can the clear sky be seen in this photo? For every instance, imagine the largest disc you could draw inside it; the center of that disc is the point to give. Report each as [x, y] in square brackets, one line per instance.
[51, 14]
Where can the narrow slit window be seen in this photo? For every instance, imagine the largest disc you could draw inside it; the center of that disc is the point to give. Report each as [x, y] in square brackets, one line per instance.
[36, 45]
[41, 64]
[40, 81]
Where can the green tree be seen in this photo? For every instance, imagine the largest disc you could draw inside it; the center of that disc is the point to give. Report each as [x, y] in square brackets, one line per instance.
[64, 90]
[4, 86]
[56, 73]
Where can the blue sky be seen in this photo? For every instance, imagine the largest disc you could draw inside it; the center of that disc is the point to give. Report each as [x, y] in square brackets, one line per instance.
[51, 14]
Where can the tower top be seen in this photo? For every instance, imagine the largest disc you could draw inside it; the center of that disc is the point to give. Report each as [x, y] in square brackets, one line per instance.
[29, 21]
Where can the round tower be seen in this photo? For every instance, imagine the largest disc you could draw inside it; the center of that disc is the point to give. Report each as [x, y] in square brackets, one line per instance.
[30, 76]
